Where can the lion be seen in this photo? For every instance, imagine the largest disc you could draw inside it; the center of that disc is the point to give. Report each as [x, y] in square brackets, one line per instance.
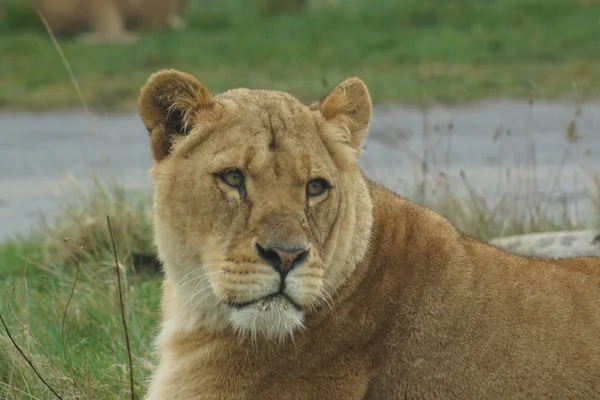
[103, 21]
[290, 275]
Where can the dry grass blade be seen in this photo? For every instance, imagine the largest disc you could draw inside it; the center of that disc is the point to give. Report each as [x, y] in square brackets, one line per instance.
[114, 248]
[65, 62]
[73, 79]
[27, 359]
[62, 327]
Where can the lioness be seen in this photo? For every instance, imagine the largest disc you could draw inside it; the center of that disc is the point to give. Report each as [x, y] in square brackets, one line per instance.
[96, 21]
[289, 275]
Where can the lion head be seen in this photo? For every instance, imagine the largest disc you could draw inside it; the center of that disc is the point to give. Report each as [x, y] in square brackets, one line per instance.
[260, 209]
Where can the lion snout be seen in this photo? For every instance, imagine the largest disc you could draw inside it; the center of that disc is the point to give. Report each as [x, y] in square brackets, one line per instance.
[282, 258]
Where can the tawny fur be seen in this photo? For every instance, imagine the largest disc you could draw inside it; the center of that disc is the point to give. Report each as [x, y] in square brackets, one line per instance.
[109, 20]
[395, 303]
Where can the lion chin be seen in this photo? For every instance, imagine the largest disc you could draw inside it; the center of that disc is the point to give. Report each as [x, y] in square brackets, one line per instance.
[274, 317]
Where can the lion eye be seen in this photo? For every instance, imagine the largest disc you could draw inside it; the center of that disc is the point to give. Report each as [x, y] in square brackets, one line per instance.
[316, 187]
[233, 178]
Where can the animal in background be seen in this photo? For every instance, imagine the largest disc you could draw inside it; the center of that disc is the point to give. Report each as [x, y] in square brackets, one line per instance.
[96, 21]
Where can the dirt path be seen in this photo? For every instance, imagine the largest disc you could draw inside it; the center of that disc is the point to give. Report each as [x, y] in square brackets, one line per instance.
[39, 152]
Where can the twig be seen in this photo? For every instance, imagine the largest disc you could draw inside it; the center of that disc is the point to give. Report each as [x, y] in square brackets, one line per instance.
[62, 327]
[112, 240]
[27, 359]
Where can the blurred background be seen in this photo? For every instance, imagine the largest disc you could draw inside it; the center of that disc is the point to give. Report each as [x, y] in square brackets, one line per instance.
[486, 111]
[483, 107]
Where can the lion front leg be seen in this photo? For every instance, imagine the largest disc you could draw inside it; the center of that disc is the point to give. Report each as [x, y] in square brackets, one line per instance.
[107, 24]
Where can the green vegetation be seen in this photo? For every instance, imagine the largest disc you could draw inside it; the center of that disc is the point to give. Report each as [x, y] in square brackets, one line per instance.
[409, 51]
[81, 353]
[70, 266]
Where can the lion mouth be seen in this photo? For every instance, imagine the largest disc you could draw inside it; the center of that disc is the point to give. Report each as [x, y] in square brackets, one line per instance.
[271, 298]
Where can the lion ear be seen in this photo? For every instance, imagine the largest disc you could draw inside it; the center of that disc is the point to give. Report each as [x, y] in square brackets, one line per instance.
[168, 105]
[350, 103]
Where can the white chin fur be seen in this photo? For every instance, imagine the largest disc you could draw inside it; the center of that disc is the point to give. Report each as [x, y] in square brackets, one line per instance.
[276, 319]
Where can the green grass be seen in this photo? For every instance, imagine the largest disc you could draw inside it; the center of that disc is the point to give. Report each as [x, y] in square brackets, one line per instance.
[408, 51]
[59, 298]
[88, 358]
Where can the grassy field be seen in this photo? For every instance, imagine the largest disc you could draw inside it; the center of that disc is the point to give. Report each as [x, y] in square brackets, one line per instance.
[59, 299]
[75, 342]
[408, 51]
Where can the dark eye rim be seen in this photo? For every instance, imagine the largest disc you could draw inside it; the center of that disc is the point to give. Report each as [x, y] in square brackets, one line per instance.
[223, 173]
[326, 187]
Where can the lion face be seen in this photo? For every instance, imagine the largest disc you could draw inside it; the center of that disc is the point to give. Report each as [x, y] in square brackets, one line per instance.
[256, 199]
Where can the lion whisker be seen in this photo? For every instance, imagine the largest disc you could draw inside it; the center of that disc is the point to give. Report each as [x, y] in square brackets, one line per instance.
[205, 292]
[197, 270]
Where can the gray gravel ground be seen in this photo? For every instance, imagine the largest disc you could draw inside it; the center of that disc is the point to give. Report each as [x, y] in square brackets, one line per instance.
[41, 153]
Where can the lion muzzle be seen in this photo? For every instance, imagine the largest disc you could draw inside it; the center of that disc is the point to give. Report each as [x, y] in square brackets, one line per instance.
[282, 258]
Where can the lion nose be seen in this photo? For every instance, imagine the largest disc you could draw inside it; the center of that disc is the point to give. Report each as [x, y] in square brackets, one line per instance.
[282, 259]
